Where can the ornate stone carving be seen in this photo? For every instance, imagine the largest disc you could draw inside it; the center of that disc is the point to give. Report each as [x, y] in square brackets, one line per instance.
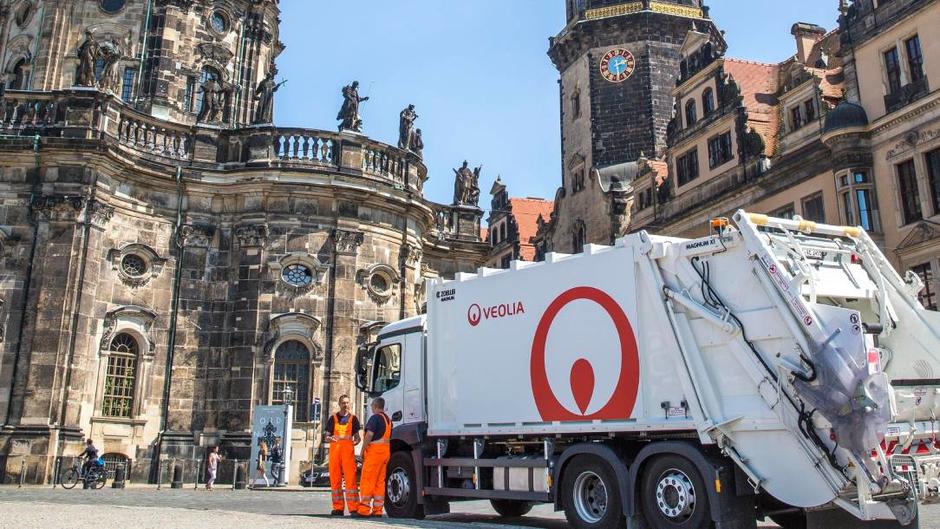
[293, 326]
[347, 242]
[912, 139]
[215, 53]
[217, 93]
[251, 235]
[96, 61]
[196, 236]
[924, 231]
[291, 271]
[410, 255]
[133, 318]
[58, 208]
[99, 213]
[136, 264]
[349, 112]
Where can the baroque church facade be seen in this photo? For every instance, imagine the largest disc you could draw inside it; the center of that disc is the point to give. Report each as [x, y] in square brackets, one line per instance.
[169, 259]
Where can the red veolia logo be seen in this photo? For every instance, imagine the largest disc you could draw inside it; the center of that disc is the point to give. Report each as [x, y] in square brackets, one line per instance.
[582, 379]
[474, 315]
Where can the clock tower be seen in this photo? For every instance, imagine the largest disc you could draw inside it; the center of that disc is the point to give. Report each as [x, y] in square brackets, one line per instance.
[619, 62]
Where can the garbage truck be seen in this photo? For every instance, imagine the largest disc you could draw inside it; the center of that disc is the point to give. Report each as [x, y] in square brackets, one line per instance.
[776, 369]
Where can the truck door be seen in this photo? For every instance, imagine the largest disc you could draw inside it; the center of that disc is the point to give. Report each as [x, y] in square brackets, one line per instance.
[413, 370]
[387, 377]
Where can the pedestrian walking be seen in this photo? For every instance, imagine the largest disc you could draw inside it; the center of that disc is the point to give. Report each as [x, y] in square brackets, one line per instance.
[277, 461]
[260, 470]
[342, 432]
[212, 466]
[376, 452]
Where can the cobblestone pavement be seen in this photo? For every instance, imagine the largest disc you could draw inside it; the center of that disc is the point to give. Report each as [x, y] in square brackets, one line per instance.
[148, 508]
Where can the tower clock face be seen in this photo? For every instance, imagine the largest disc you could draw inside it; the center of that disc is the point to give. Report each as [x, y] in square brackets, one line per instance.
[618, 65]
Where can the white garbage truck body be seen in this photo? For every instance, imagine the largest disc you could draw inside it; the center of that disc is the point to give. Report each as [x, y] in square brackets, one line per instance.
[677, 383]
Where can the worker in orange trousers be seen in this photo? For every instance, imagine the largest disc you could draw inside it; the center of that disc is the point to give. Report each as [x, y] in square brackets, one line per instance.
[376, 452]
[342, 432]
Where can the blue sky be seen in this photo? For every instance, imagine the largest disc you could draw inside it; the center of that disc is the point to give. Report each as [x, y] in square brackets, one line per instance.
[477, 71]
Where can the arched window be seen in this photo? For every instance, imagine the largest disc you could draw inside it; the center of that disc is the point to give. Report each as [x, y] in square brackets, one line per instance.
[19, 79]
[580, 237]
[708, 101]
[690, 114]
[121, 377]
[207, 73]
[292, 368]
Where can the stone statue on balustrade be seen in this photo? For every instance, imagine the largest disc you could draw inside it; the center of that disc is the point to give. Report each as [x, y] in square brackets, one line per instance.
[406, 125]
[467, 186]
[417, 144]
[91, 53]
[264, 95]
[349, 113]
[109, 53]
[216, 94]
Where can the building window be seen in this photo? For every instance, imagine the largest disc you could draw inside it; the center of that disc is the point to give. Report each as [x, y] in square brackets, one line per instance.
[809, 111]
[112, 6]
[580, 237]
[690, 113]
[646, 199]
[859, 202]
[933, 172]
[218, 22]
[576, 105]
[506, 262]
[915, 58]
[20, 79]
[120, 377]
[814, 209]
[719, 150]
[708, 102]
[577, 180]
[189, 96]
[292, 369]
[687, 167]
[127, 87]
[910, 195]
[786, 212]
[893, 70]
[928, 296]
[796, 118]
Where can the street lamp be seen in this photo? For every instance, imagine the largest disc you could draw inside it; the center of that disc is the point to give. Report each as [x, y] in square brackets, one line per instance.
[288, 400]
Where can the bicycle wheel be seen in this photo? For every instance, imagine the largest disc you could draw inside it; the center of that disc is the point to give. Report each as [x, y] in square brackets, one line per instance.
[100, 480]
[70, 479]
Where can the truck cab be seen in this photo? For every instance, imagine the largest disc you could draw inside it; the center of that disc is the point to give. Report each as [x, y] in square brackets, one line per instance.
[393, 367]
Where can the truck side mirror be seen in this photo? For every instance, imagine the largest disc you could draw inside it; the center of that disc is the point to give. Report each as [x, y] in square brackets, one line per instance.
[363, 362]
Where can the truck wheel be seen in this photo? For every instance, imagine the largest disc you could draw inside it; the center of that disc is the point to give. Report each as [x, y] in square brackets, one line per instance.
[591, 495]
[401, 494]
[511, 508]
[674, 494]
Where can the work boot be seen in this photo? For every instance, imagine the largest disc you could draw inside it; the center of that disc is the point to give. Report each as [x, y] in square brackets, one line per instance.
[337, 512]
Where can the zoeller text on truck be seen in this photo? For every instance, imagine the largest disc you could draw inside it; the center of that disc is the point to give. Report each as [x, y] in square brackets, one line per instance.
[776, 369]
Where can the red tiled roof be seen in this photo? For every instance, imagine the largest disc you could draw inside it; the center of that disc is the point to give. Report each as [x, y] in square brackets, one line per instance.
[758, 85]
[527, 212]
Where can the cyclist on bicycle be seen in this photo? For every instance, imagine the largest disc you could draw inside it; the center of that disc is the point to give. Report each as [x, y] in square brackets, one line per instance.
[91, 456]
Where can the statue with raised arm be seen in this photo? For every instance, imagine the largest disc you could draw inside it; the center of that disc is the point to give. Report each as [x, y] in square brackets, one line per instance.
[349, 113]
[216, 94]
[88, 54]
[466, 189]
[264, 95]
[406, 127]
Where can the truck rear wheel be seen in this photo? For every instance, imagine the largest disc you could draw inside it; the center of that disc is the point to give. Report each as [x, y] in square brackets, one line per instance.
[591, 495]
[511, 508]
[674, 494]
[401, 492]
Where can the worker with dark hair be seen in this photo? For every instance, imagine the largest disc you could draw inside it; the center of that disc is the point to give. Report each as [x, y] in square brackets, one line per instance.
[376, 452]
[342, 432]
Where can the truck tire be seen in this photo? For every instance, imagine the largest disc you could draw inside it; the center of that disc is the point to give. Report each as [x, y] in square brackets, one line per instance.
[591, 494]
[401, 492]
[512, 508]
[674, 495]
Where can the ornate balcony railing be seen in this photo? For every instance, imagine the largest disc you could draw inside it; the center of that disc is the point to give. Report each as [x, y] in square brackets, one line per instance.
[93, 115]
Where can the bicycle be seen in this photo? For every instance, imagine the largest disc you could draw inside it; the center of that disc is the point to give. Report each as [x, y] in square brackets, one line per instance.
[95, 478]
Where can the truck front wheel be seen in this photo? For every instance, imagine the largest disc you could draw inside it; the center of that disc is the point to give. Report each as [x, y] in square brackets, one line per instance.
[674, 494]
[401, 493]
[591, 496]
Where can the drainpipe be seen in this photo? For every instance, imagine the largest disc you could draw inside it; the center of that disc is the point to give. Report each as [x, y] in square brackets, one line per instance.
[328, 360]
[145, 34]
[77, 304]
[28, 280]
[174, 311]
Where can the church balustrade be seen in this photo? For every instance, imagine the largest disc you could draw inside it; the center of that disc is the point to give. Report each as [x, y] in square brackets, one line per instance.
[306, 146]
[386, 162]
[20, 110]
[153, 136]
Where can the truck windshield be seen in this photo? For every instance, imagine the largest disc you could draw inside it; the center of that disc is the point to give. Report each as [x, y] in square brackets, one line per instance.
[387, 368]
